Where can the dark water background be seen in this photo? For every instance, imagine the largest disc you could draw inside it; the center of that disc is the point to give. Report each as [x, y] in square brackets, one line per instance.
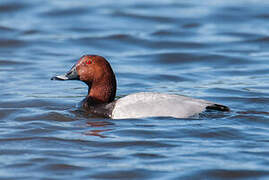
[215, 50]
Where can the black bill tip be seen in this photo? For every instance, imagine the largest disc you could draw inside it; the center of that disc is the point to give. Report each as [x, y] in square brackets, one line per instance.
[60, 78]
[70, 75]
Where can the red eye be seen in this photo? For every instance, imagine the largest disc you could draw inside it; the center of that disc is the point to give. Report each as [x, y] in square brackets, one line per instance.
[89, 59]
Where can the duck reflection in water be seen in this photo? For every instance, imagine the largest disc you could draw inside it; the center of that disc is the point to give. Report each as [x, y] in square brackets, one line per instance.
[98, 124]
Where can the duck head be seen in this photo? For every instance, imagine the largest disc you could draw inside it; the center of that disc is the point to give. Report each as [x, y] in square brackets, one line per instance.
[97, 73]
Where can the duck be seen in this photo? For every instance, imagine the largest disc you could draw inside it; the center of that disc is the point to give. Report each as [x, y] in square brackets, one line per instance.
[96, 72]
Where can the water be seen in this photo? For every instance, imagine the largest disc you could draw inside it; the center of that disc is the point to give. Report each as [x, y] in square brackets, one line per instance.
[215, 50]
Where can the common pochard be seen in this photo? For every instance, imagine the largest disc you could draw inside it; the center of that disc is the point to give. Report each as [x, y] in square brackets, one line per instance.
[97, 73]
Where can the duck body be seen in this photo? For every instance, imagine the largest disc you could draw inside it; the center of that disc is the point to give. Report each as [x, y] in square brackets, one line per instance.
[151, 104]
[97, 73]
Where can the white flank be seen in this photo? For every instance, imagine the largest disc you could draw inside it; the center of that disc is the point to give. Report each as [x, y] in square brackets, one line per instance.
[148, 104]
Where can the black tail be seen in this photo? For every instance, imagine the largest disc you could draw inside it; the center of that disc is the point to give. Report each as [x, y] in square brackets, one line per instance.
[218, 107]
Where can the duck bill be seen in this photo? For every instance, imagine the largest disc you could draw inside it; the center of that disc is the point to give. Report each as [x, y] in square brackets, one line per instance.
[70, 75]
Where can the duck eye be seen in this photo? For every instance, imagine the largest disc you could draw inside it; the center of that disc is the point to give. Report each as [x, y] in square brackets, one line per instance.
[88, 61]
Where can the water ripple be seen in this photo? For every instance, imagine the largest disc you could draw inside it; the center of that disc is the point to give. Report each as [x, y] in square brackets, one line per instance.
[214, 50]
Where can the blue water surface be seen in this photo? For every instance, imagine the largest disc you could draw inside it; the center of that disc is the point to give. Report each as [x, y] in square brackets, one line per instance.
[214, 50]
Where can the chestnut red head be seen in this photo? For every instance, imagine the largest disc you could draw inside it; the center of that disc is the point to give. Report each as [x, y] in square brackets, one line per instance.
[96, 72]
[88, 68]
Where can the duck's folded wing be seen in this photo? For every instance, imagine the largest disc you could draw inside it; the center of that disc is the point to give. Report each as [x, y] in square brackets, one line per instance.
[145, 104]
